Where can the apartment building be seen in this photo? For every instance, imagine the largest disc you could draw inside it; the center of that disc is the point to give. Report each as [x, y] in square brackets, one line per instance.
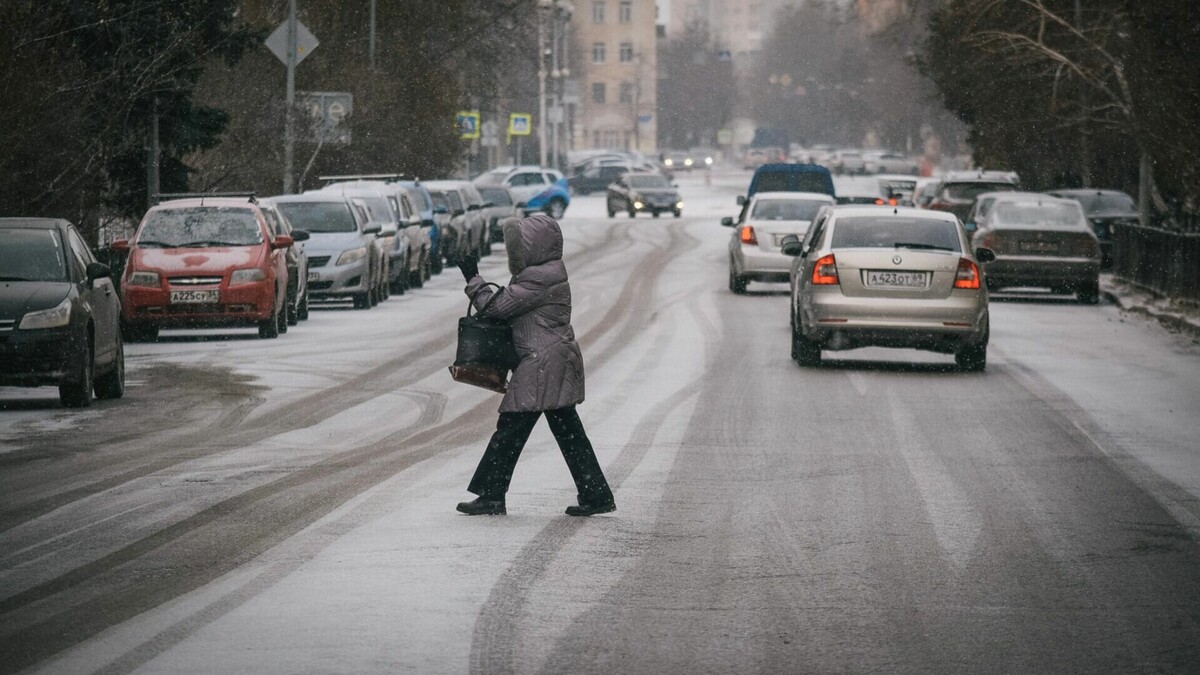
[617, 74]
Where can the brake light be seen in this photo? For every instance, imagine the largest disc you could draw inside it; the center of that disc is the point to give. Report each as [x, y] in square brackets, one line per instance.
[747, 236]
[967, 276]
[825, 271]
[880, 201]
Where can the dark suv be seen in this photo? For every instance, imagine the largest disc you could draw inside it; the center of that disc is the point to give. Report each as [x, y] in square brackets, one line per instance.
[957, 191]
[59, 313]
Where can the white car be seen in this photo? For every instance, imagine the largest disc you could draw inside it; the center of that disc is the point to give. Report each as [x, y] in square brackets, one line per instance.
[890, 162]
[754, 248]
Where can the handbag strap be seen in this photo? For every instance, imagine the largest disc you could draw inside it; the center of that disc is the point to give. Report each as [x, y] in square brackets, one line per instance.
[471, 302]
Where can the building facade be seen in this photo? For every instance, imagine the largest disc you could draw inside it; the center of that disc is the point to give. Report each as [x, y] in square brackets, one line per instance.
[616, 55]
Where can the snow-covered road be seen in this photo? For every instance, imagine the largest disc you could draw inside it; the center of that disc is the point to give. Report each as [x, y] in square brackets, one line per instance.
[287, 506]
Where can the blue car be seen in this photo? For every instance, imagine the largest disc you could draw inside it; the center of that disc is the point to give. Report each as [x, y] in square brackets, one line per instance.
[424, 203]
[534, 188]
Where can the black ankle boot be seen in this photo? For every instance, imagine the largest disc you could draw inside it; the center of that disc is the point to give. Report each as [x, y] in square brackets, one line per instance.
[483, 505]
[590, 508]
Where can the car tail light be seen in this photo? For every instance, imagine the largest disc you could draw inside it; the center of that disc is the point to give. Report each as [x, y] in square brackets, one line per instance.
[967, 276]
[825, 271]
[891, 201]
[747, 236]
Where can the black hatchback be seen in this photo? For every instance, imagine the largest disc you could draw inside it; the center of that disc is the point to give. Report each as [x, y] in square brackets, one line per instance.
[59, 313]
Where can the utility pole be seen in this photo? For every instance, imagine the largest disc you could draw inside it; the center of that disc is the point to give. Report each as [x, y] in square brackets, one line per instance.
[371, 41]
[152, 157]
[541, 28]
[289, 128]
[1084, 161]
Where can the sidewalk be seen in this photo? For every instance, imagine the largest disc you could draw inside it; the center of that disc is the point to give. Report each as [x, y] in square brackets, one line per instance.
[1174, 316]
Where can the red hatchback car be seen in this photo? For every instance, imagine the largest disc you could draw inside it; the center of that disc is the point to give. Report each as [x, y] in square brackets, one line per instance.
[204, 262]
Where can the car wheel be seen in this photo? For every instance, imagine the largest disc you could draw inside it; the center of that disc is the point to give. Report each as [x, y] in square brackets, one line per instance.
[1089, 293]
[293, 309]
[973, 358]
[112, 384]
[632, 213]
[556, 208]
[678, 213]
[805, 352]
[76, 390]
[656, 213]
[302, 310]
[435, 265]
[268, 328]
[362, 300]
[417, 276]
[611, 213]
[737, 284]
[283, 319]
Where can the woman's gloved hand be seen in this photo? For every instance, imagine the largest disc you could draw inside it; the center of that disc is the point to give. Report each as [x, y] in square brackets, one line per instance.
[469, 267]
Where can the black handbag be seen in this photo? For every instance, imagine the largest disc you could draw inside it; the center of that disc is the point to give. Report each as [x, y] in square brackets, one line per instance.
[485, 349]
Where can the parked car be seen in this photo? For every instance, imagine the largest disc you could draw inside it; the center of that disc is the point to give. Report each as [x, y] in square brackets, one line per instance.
[60, 315]
[450, 214]
[849, 161]
[956, 191]
[597, 178]
[1105, 209]
[534, 188]
[754, 248]
[890, 162]
[474, 236]
[756, 157]
[705, 157]
[392, 244]
[344, 259]
[888, 277]
[499, 205]
[1043, 242]
[898, 187]
[637, 192]
[984, 201]
[204, 261]
[297, 261]
[409, 250]
[423, 202]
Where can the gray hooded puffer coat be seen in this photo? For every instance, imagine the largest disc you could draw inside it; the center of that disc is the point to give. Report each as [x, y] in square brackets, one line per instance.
[537, 301]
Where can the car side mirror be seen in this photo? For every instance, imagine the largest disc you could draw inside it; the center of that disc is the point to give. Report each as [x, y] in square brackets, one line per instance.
[741, 200]
[282, 241]
[790, 245]
[121, 245]
[372, 229]
[985, 255]
[439, 210]
[97, 270]
[300, 235]
[727, 221]
[970, 227]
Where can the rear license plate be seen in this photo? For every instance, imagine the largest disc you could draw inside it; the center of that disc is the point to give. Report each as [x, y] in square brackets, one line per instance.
[886, 279]
[313, 276]
[1039, 247]
[195, 297]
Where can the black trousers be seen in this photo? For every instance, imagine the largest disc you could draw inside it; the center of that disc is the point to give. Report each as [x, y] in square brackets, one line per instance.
[495, 469]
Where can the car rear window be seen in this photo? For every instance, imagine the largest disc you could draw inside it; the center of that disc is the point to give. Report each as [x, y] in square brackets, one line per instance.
[31, 255]
[1038, 215]
[969, 191]
[200, 226]
[320, 216]
[893, 232]
[1108, 203]
[786, 209]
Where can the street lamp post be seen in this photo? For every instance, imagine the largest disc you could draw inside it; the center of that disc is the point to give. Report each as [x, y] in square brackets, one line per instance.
[543, 6]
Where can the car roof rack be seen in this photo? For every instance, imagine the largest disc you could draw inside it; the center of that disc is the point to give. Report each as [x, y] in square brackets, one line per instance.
[363, 176]
[160, 196]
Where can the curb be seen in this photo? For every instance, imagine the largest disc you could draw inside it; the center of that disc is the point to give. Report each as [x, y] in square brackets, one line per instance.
[1171, 322]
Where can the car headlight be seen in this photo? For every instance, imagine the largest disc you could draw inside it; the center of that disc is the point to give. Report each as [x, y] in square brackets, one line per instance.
[144, 279]
[687, 162]
[708, 161]
[679, 205]
[669, 162]
[55, 317]
[638, 205]
[352, 256]
[246, 276]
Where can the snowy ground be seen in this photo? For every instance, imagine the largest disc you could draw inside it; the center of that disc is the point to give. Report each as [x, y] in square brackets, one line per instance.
[288, 506]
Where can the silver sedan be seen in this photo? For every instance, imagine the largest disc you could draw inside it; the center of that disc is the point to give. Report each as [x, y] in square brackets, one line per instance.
[754, 253]
[888, 277]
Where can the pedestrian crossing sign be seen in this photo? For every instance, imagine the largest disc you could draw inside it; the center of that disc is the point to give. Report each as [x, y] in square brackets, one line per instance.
[468, 124]
[520, 124]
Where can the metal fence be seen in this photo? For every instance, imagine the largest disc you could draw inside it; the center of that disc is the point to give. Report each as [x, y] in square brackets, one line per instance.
[1165, 261]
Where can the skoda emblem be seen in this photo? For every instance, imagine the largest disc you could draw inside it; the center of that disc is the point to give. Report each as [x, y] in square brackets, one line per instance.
[896, 260]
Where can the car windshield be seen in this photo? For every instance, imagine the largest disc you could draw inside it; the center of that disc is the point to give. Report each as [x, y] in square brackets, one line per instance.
[31, 255]
[1035, 214]
[895, 232]
[648, 182]
[439, 200]
[200, 226]
[1107, 202]
[786, 209]
[969, 191]
[319, 216]
[496, 196]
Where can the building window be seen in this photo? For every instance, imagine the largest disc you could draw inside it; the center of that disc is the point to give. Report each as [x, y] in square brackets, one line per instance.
[626, 52]
[626, 93]
[625, 13]
[598, 11]
[598, 53]
[597, 92]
